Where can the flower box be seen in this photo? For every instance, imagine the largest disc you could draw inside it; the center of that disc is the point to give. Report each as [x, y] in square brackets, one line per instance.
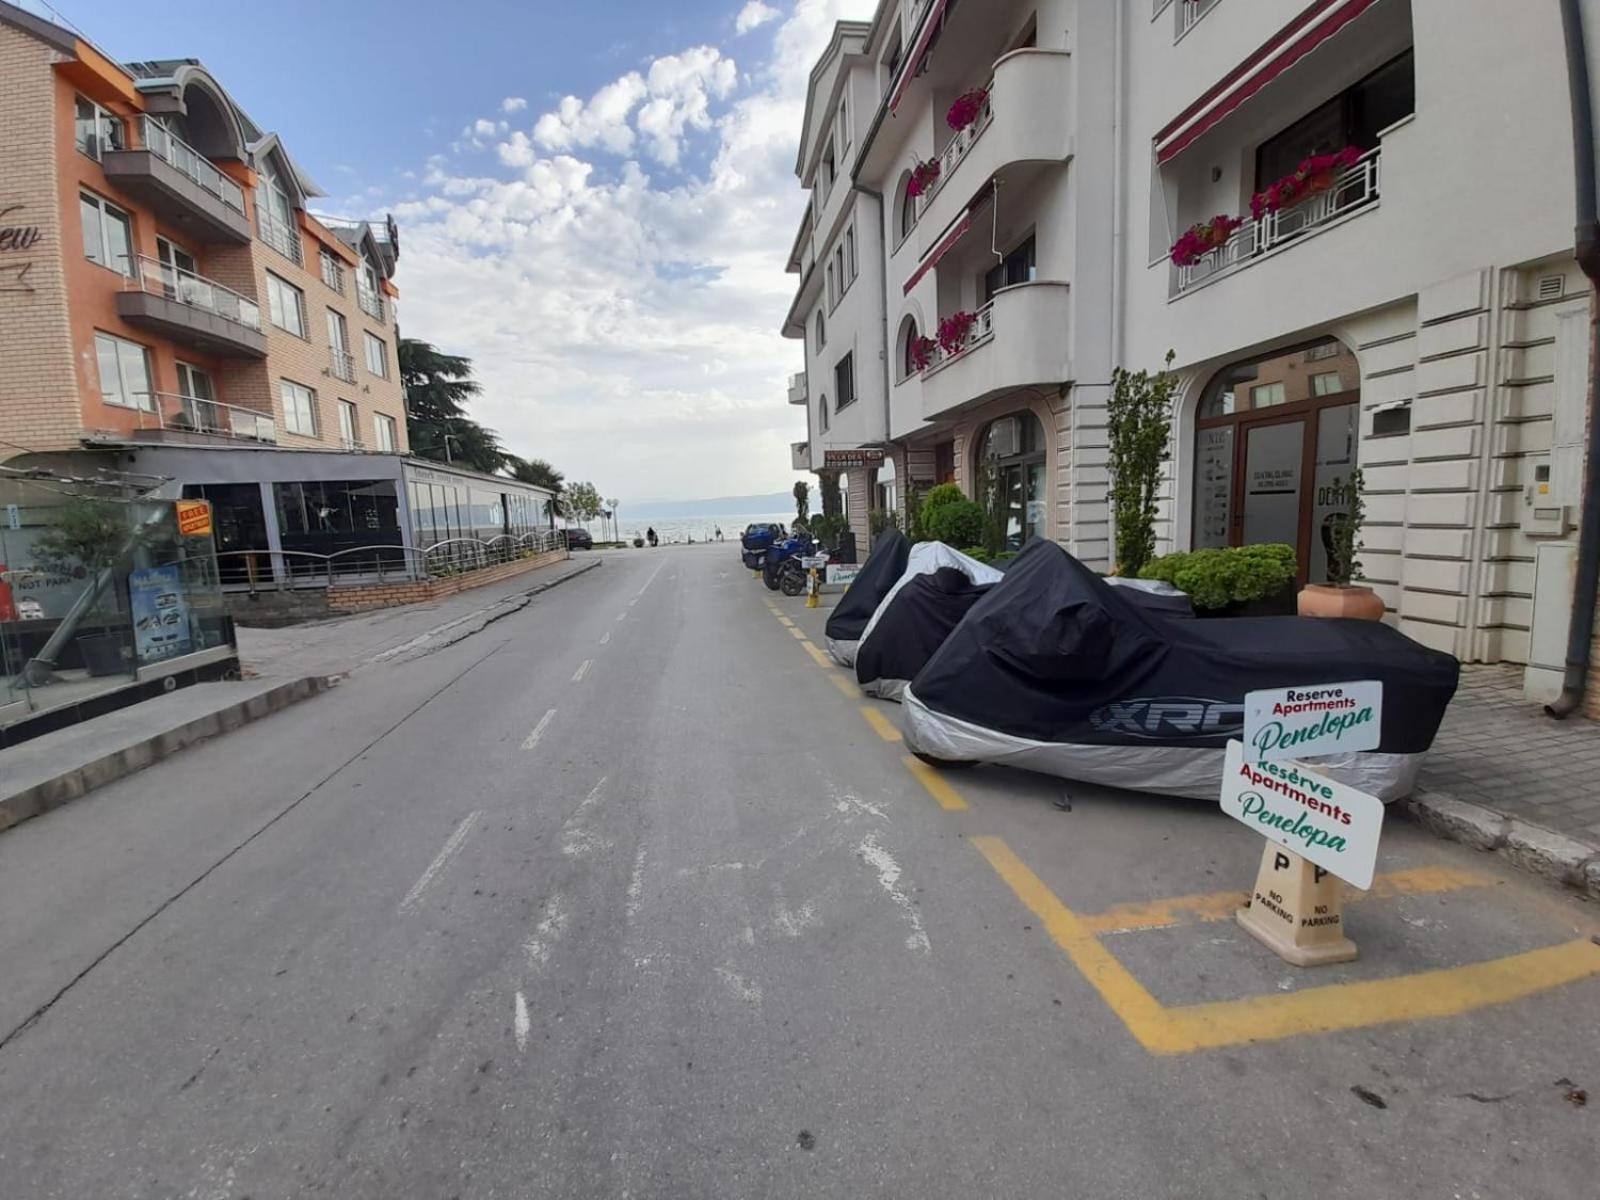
[1314, 175]
[953, 331]
[966, 109]
[1200, 239]
[922, 352]
[923, 176]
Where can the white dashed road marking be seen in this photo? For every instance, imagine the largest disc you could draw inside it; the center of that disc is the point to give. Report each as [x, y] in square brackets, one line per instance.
[452, 846]
[532, 739]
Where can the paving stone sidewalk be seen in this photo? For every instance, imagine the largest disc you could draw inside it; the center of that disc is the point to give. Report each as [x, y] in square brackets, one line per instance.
[1501, 773]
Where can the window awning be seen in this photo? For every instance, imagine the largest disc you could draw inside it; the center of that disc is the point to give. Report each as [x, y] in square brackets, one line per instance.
[913, 61]
[949, 241]
[1288, 46]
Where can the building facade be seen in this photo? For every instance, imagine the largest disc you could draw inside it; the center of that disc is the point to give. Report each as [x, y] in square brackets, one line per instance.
[1413, 310]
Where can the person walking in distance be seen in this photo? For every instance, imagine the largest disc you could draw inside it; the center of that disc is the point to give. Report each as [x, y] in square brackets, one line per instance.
[650, 536]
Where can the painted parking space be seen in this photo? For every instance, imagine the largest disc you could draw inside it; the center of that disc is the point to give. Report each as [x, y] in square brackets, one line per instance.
[1490, 942]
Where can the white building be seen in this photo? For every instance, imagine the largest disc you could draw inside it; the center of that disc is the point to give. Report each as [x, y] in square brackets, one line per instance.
[1420, 316]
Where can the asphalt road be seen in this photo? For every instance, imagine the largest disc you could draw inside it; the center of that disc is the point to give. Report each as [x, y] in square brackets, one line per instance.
[627, 896]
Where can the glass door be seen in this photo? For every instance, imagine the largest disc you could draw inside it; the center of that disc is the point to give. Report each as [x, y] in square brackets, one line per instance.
[1271, 482]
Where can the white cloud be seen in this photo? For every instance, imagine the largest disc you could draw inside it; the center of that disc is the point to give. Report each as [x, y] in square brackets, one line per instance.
[753, 16]
[513, 104]
[619, 294]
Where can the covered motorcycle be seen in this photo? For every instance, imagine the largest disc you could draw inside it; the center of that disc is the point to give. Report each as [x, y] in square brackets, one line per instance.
[1056, 671]
[849, 617]
[910, 626]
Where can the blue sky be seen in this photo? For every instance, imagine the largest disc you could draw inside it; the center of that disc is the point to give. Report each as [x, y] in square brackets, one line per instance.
[595, 201]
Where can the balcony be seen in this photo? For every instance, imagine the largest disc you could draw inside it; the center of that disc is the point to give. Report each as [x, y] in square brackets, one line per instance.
[800, 456]
[1355, 188]
[180, 418]
[282, 237]
[1019, 340]
[1026, 122]
[192, 310]
[371, 302]
[798, 393]
[341, 364]
[181, 186]
[1189, 14]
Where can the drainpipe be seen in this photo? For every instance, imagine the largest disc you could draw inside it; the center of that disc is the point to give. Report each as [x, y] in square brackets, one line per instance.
[1587, 242]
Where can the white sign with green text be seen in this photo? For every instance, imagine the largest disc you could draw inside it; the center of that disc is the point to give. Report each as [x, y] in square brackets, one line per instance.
[1304, 722]
[1317, 817]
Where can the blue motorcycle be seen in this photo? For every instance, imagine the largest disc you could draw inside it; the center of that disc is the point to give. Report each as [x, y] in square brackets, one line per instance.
[756, 541]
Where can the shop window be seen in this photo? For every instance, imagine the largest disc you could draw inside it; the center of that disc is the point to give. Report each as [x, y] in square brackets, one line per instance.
[1011, 475]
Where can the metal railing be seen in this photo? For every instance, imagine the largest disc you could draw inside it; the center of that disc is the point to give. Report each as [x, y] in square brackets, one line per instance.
[163, 279]
[981, 331]
[332, 272]
[283, 238]
[176, 152]
[371, 302]
[958, 148]
[342, 364]
[286, 570]
[190, 414]
[1190, 11]
[1352, 188]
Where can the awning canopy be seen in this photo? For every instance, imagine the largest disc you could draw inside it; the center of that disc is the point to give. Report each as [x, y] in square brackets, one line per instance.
[1285, 48]
[952, 238]
[913, 61]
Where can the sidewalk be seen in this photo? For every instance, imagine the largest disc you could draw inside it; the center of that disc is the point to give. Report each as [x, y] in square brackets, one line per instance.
[1503, 776]
[283, 667]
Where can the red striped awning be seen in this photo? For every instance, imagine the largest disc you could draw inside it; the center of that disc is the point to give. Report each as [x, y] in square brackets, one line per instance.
[1288, 46]
[913, 61]
[946, 244]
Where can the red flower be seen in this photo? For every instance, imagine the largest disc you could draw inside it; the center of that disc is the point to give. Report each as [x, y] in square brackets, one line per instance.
[922, 352]
[953, 331]
[966, 109]
[1315, 174]
[923, 176]
[1203, 237]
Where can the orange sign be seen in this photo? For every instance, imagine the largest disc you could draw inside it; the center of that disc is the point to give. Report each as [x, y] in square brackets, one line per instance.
[194, 518]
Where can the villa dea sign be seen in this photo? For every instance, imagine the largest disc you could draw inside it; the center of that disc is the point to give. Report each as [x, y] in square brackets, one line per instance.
[851, 458]
[1318, 818]
[1304, 722]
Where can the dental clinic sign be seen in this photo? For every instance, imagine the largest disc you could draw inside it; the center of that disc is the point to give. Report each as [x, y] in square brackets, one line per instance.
[1305, 722]
[1319, 818]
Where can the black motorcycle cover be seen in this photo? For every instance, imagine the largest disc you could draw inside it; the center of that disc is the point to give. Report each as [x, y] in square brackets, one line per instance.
[1054, 658]
[914, 625]
[882, 570]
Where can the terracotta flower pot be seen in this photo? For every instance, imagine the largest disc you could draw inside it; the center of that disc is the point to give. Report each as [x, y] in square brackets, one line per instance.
[1332, 600]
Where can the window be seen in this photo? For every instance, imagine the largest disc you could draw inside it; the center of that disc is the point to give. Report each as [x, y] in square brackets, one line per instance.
[299, 408]
[367, 289]
[1328, 383]
[909, 336]
[821, 330]
[1268, 395]
[844, 120]
[829, 169]
[286, 305]
[275, 214]
[332, 271]
[107, 233]
[347, 424]
[338, 332]
[194, 383]
[385, 430]
[1018, 267]
[850, 252]
[833, 287]
[908, 208]
[97, 130]
[124, 373]
[1011, 459]
[1355, 117]
[844, 380]
[377, 356]
[822, 413]
[891, 64]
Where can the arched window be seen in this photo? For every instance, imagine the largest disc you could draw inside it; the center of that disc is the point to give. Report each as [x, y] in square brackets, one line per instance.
[821, 332]
[822, 414]
[1011, 476]
[907, 348]
[1274, 435]
[906, 206]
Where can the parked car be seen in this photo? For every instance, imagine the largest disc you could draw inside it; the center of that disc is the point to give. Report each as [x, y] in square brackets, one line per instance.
[579, 539]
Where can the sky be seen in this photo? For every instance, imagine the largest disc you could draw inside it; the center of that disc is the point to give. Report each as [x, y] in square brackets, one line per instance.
[595, 200]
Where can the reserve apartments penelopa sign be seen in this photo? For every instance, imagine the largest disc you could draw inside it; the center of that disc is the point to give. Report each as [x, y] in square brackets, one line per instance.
[1303, 722]
[1318, 818]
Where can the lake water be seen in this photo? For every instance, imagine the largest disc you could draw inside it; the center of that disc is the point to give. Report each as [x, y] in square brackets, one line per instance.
[682, 529]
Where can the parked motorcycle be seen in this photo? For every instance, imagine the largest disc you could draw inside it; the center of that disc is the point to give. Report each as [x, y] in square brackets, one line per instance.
[756, 541]
[782, 553]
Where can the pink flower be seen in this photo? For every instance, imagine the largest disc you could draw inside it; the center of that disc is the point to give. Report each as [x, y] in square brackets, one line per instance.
[922, 352]
[1203, 237]
[953, 331]
[966, 108]
[923, 176]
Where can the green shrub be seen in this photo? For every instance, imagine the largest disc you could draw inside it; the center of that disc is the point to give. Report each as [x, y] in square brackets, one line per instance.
[1234, 575]
[959, 523]
[981, 553]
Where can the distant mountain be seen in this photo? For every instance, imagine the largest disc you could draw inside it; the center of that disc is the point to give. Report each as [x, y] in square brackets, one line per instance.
[722, 506]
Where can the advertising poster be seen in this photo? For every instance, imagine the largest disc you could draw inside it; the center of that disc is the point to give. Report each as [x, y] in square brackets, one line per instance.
[160, 616]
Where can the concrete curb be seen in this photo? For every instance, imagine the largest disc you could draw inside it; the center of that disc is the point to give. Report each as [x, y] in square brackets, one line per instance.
[1544, 852]
[79, 781]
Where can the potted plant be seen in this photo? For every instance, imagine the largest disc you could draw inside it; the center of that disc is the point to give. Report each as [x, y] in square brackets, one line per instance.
[967, 108]
[923, 352]
[1314, 174]
[1341, 538]
[1203, 237]
[953, 331]
[923, 176]
[1233, 581]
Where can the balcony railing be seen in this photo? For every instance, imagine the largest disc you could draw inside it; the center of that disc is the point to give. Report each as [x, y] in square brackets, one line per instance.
[797, 388]
[342, 364]
[1190, 11]
[981, 331]
[190, 414]
[1354, 187]
[371, 303]
[168, 147]
[282, 237]
[958, 148]
[163, 279]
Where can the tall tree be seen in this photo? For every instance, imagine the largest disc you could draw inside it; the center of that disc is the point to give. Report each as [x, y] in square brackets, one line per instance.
[437, 387]
[583, 499]
[541, 474]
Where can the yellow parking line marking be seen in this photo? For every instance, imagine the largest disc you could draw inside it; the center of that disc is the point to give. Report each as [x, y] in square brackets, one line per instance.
[1219, 906]
[846, 688]
[799, 633]
[1449, 991]
[1127, 997]
[817, 656]
[881, 725]
[785, 621]
[949, 799]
